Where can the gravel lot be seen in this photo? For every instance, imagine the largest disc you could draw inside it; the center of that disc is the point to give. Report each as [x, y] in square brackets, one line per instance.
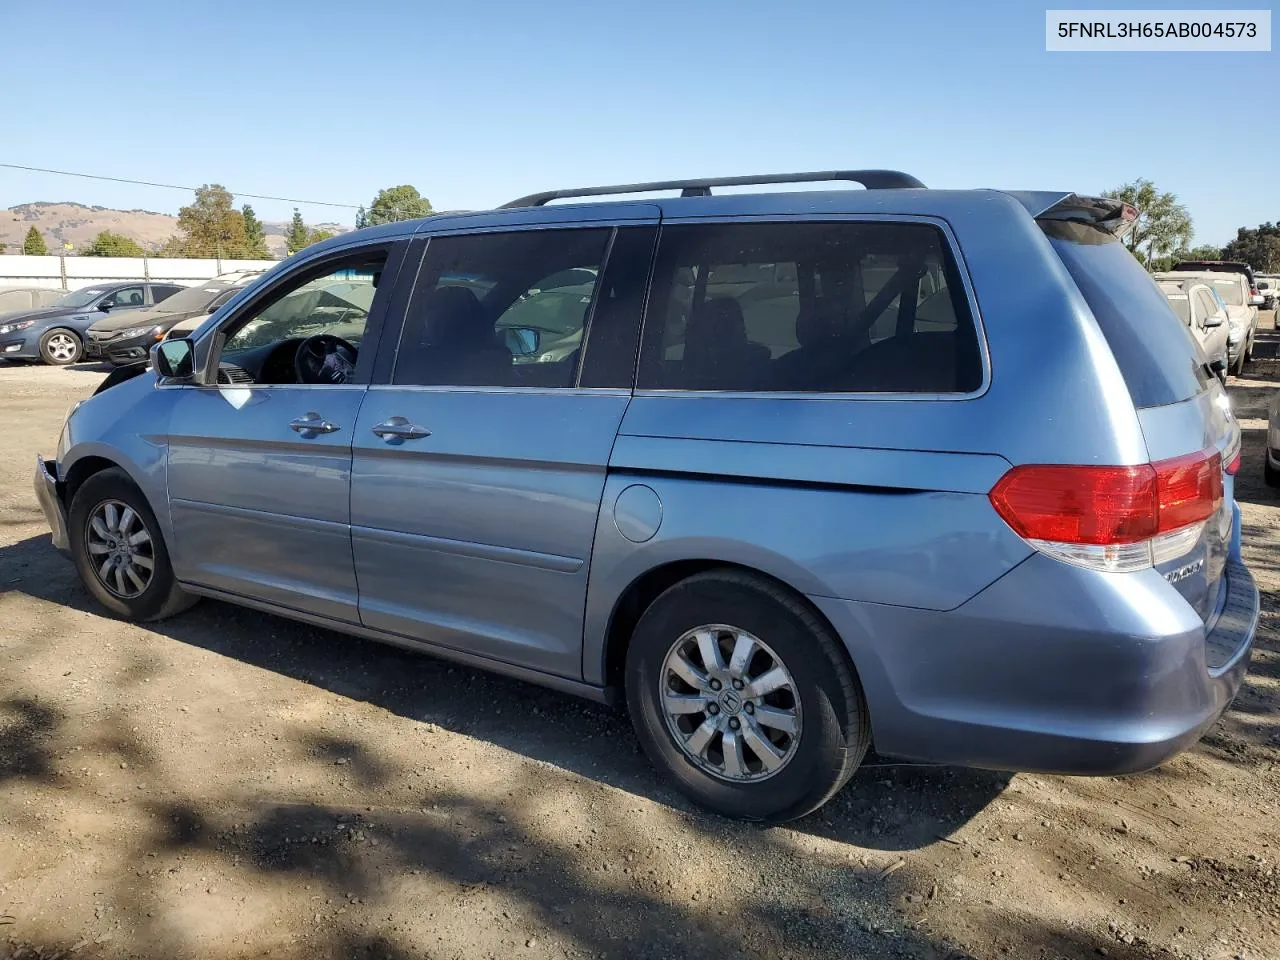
[230, 784]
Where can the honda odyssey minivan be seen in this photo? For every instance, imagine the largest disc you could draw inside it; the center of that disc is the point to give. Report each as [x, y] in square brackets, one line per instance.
[787, 473]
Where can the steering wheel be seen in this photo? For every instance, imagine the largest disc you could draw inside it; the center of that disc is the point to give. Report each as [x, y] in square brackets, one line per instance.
[324, 358]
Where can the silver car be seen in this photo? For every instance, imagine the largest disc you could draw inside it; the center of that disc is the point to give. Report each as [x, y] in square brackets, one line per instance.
[1203, 313]
[784, 472]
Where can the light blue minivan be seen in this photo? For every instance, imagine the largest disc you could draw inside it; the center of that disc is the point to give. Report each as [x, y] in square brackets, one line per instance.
[791, 473]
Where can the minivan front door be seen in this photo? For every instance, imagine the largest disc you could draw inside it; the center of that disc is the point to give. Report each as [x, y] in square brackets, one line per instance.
[478, 468]
[259, 462]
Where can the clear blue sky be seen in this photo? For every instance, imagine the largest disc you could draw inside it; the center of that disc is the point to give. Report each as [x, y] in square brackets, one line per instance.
[476, 103]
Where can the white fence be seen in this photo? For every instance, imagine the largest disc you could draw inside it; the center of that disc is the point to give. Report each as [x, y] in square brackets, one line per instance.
[72, 273]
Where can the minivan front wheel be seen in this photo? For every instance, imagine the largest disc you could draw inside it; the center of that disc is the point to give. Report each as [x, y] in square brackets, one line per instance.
[744, 697]
[118, 550]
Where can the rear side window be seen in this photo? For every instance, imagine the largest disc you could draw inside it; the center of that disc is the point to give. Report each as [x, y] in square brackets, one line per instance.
[808, 307]
[1156, 356]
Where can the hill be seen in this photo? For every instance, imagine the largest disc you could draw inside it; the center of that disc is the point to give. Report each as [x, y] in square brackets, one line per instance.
[77, 224]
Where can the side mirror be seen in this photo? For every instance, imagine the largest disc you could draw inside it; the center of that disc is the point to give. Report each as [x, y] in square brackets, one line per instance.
[174, 359]
[105, 305]
[521, 341]
[1213, 321]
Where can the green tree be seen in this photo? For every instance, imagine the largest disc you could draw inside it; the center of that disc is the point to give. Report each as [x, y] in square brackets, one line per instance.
[297, 236]
[1163, 224]
[362, 219]
[315, 236]
[1203, 252]
[211, 227]
[33, 244]
[255, 235]
[1260, 247]
[108, 244]
[398, 203]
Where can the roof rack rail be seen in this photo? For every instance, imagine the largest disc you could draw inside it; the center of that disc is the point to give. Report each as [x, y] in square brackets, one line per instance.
[871, 179]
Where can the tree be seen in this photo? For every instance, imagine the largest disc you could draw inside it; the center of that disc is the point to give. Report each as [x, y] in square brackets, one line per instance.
[362, 219]
[1260, 247]
[1203, 252]
[297, 236]
[398, 203]
[1163, 224]
[211, 227]
[108, 244]
[315, 236]
[33, 244]
[255, 235]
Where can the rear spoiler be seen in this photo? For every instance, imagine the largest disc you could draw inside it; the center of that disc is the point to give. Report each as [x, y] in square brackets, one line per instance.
[1106, 213]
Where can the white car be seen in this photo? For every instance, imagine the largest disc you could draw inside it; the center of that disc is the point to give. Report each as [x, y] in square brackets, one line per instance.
[1242, 314]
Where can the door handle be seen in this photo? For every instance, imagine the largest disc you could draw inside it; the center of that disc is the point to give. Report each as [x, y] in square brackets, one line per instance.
[313, 423]
[398, 428]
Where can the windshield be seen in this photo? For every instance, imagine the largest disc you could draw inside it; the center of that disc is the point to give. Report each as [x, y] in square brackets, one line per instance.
[192, 299]
[80, 298]
[1230, 290]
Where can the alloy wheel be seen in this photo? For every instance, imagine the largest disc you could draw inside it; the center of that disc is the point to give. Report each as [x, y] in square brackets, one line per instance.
[62, 347]
[121, 551]
[730, 703]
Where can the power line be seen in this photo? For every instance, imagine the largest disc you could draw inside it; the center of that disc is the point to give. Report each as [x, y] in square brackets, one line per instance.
[174, 186]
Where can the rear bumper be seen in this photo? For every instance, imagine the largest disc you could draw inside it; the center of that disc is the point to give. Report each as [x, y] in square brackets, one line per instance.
[49, 497]
[1051, 669]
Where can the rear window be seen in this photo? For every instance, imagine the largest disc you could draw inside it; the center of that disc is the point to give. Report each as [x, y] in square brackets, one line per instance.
[1155, 352]
[831, 307]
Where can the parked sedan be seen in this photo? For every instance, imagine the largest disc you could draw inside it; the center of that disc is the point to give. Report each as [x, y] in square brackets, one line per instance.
[14, 298]
[126, 336]
[1204, 315]
[55, 334]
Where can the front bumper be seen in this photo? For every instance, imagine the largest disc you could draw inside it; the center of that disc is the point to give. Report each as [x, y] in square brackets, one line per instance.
[1051, 669]
[18, 347]
[122, 351]
[49, 496]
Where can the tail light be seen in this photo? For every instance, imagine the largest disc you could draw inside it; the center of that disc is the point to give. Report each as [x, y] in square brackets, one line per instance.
[1112, 518]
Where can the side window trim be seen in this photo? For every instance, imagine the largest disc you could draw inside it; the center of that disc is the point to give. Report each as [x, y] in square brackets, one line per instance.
[209, 347]
[951, 245]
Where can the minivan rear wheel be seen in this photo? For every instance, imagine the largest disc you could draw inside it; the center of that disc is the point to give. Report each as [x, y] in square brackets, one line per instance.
[744, 697]
[119, 552]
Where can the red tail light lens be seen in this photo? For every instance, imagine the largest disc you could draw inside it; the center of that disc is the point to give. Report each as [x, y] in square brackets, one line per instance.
[1234, 466]
[1189, 489]
[1068, 504]
[1105, 506]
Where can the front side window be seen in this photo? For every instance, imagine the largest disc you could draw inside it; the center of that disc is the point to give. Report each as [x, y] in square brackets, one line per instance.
[127, 299]
[501, 309]
[310, 330]
[808, 307]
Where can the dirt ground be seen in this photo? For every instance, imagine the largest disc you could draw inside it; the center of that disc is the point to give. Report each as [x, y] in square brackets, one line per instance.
[230, 784]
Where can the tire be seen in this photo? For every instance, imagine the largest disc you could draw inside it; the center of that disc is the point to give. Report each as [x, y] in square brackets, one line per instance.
[60, 346]
[833, 730]
[90, 514]
[1269, 473]
[1238, 368]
